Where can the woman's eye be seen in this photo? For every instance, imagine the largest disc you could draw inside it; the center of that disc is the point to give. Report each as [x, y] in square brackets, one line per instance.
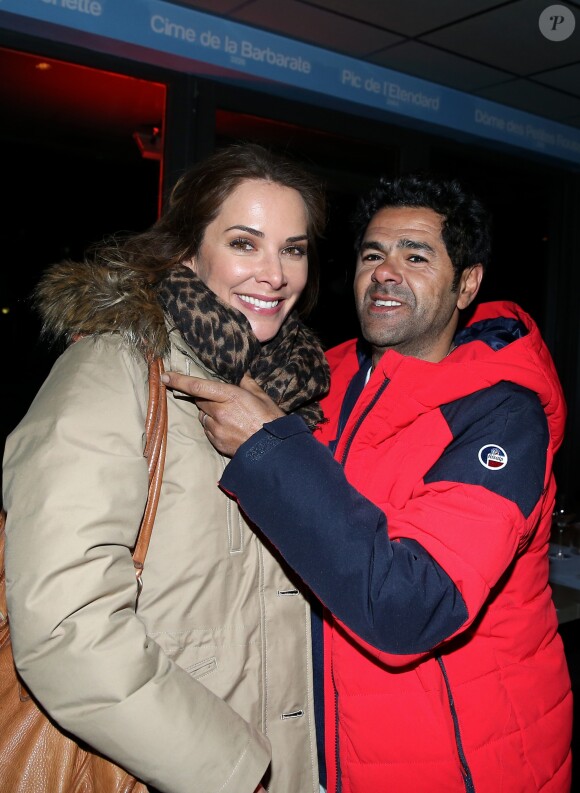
[242, 244]
[371, 257]
[296, 251]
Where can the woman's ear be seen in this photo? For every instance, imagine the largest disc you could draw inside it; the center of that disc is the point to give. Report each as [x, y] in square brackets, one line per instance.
[469, 284]
[191, 263]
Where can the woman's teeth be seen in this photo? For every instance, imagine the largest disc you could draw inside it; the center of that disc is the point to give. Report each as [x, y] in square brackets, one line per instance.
[253, 301]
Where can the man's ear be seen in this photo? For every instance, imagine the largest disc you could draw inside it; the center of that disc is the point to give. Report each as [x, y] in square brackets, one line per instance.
[469, 284]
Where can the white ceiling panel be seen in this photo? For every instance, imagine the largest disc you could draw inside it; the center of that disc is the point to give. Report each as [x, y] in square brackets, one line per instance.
[412, 57]
[565, 79]
[508, 38]
[534, 98]
[211, 6]
[315, 26]
[408, 17]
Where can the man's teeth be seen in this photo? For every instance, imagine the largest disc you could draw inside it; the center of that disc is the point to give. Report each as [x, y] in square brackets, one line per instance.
[387, 303]
[253, 301]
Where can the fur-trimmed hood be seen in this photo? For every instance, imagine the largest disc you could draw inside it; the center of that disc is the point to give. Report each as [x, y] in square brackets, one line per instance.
[85, 298]
[91, 298]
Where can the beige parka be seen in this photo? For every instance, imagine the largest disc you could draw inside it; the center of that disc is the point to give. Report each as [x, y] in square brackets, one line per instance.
[207, 687]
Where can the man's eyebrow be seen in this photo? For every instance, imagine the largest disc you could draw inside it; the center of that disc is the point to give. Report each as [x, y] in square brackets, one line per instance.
[416, 245]
[374, 245]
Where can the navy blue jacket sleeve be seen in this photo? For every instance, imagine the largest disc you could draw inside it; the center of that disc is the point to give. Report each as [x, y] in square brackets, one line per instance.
[391, 594]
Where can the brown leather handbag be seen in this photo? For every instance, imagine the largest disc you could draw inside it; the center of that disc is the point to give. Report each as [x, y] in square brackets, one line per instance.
[35, 755]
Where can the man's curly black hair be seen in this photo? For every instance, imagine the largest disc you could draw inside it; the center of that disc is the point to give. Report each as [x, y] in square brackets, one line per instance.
[466, 229]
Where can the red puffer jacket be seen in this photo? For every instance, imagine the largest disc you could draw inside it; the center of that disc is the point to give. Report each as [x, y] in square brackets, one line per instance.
[489, 708]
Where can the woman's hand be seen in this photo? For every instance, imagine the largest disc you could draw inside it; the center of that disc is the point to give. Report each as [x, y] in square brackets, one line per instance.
[229, 414]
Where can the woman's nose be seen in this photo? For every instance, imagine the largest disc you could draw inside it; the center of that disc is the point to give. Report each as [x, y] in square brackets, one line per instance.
[272, 272]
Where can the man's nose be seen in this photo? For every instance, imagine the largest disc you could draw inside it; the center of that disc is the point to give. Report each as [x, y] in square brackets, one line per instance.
[387, 270]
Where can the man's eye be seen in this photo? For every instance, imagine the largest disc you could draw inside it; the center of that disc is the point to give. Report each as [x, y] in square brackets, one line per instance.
[371, 257]
[416, 259]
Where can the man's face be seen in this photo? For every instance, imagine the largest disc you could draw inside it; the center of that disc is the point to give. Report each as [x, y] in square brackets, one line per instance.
[403, 284]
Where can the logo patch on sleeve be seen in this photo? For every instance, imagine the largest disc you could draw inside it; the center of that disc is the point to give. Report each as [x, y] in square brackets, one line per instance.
[492, 457]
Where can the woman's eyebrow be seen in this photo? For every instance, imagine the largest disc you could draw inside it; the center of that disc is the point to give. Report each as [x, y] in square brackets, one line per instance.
[248, 230]
[256, 233]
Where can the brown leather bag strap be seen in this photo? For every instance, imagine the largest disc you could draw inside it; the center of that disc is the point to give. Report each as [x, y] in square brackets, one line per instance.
[3, 606]
[155, 447]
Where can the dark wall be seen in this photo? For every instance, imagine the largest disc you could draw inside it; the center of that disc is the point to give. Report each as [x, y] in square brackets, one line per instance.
[59, 202]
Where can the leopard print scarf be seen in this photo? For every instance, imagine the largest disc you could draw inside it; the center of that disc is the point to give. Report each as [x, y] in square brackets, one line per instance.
[291, 367]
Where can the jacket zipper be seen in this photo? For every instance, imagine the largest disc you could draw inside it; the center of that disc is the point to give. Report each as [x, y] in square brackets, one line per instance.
[336, 737]
[465, 770]
[360, 420]
[342, 461]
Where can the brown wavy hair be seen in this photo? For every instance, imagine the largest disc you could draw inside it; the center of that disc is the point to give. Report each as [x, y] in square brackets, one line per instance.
[195, 202]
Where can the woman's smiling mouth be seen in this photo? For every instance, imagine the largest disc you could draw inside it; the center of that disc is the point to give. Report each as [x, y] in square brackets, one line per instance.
[260, 303]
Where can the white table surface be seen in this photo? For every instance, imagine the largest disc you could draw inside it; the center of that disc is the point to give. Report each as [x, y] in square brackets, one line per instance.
[565, 572]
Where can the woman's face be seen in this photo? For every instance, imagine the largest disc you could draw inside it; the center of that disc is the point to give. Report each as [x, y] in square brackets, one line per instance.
[254, 254]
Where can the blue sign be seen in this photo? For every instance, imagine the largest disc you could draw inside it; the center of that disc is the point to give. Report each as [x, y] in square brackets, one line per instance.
[192, 39]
